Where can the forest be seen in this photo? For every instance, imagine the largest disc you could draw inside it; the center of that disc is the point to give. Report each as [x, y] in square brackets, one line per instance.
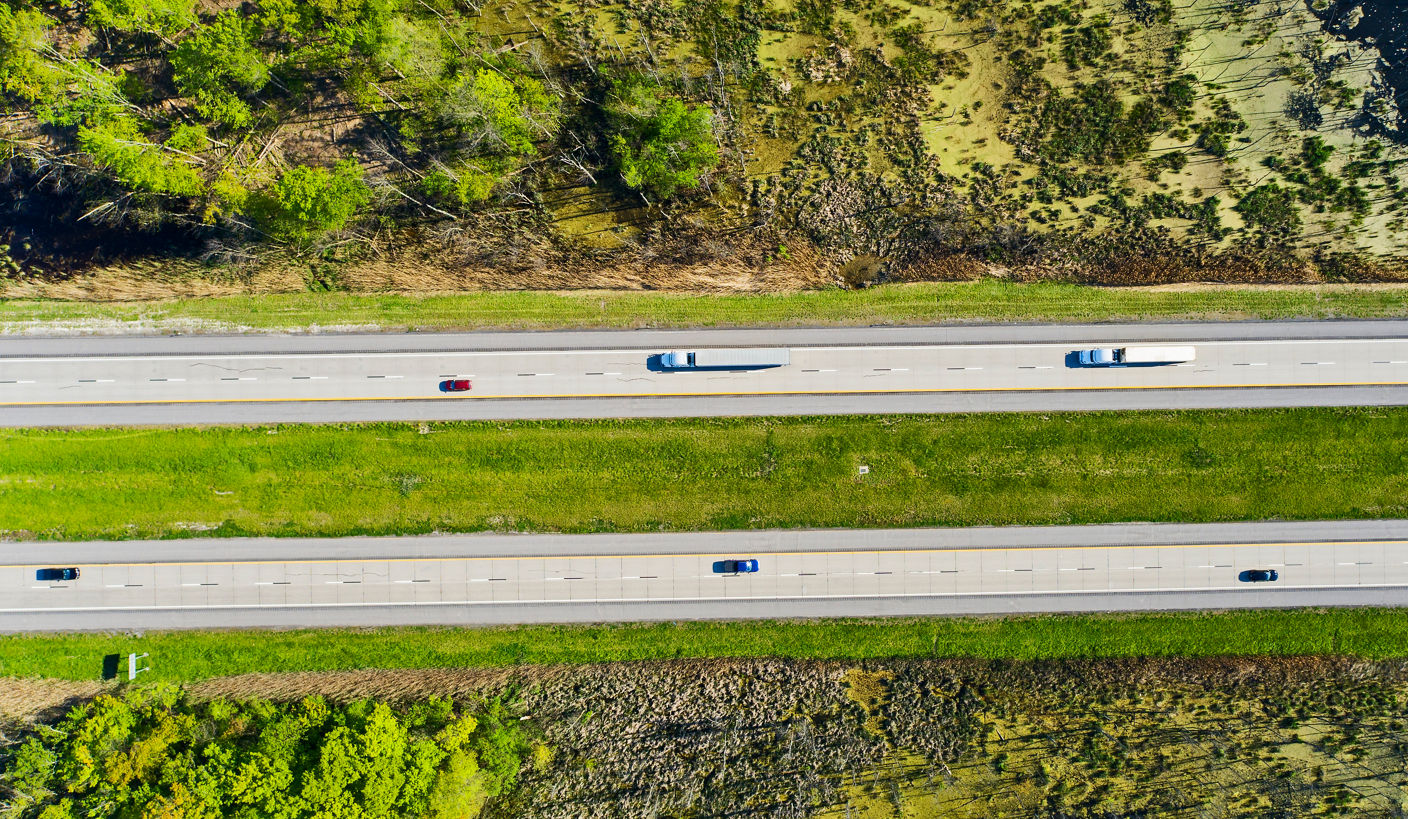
[1246, 140]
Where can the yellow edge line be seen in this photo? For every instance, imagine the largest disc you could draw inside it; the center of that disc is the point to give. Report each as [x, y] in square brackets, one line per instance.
[715, 554]
[712, 394]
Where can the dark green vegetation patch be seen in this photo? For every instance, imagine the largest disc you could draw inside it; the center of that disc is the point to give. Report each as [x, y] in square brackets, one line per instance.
[602, 476]
[156, 752]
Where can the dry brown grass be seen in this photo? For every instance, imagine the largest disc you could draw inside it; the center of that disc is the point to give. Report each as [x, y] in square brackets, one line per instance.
[27, 700]
[427, 268]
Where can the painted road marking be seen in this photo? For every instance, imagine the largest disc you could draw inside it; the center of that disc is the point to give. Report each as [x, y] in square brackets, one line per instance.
[719, 394]
[716, 555]
[701, 599]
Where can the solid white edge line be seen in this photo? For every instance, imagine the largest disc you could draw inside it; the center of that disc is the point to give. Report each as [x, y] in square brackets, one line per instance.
[732, 599]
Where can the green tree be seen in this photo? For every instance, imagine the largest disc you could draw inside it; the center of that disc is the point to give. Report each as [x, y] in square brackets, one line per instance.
[216, 64]
[164, 17]
[26, 70]
[118, 146]
[307, 202]
[660, 146]
[459, 791]
[348, 36]
[500, 114]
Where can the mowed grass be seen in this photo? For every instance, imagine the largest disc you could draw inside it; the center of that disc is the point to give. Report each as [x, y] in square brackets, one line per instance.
[705, 474]
[196, 655]
[929, 303]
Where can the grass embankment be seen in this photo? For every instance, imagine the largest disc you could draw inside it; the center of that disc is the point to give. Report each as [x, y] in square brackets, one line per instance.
[986, 301]
[196, 655]
[706, 474]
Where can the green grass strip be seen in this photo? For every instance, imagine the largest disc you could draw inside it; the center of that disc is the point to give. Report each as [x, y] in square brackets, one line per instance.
[195, 655]
[705, 474]
[984, 301]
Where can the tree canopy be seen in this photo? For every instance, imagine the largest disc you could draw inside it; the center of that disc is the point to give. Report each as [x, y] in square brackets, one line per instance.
[306, 202]
[659, 145]
[218, 63]
[118, 145]
[154, 752]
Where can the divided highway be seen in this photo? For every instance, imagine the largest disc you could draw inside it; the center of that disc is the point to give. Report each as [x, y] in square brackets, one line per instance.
[381, 377]
[526, 578]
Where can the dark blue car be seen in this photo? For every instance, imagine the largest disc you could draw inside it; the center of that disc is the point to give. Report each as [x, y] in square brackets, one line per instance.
[1258, 576]
[56, 574]
[740, 566]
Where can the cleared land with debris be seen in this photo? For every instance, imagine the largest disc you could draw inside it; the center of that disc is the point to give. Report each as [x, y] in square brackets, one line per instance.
[1210, 737]
[703, 146]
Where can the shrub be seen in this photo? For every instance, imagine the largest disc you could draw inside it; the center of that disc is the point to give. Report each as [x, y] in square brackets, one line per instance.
[307, 202]
[1271, 208]
[659, 145]
[464, 186]
[1094, 125]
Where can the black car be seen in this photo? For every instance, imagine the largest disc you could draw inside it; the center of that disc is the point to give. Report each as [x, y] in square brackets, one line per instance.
[56, 574]
[1258, 576]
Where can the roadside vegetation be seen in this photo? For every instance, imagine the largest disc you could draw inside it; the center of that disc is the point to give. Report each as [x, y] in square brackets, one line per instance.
[928, 303]
[153, 751]
[698, 474]
[714, 143]
[192, 656]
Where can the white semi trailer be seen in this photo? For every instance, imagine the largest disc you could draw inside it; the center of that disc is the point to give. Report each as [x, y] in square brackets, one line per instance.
[1111, 356]
[738, 358]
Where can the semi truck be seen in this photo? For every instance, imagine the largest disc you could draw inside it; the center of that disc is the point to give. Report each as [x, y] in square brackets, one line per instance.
[1113, 356]
[734, 359]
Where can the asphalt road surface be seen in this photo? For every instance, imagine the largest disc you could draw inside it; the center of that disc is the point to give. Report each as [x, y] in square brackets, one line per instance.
[528, 578]
[600, 374]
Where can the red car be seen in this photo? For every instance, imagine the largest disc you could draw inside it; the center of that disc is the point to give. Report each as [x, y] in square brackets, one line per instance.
[455, 385]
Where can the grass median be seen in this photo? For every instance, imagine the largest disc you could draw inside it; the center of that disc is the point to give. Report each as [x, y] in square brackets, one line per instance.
[929, 303]
[195, 655]
[705, 474]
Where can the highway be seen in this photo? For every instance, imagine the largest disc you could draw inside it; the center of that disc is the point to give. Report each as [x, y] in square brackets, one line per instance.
[258, 379]
[478, 579]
